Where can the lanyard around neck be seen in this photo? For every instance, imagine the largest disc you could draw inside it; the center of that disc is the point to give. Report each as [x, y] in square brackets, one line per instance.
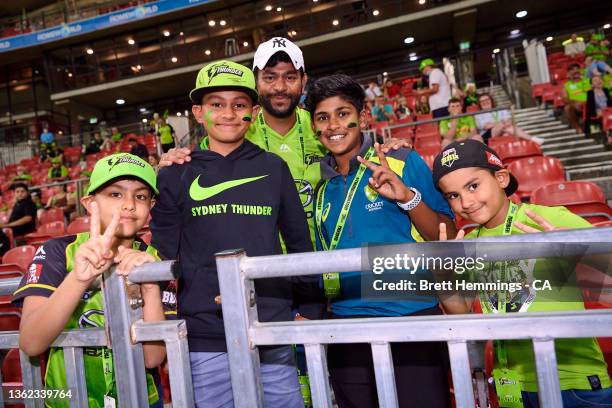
[345, 207]
[264, 129]
[500, 348]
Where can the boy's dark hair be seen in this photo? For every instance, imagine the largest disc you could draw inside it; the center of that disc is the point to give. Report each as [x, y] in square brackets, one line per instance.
[572, 66]
[280, 56]
[454, 100]
[15, 186]
[335, 85]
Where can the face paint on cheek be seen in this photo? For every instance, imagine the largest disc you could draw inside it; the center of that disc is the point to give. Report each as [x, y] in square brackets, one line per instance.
[207, 118]
[247, 118]
[318, 132]
[351, 125]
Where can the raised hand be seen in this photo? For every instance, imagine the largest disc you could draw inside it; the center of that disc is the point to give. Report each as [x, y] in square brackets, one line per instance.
[128, 258]
[95, 256]
[444, 236]
[384, 180]
[395, 144]
[538, 219]
[177, 155]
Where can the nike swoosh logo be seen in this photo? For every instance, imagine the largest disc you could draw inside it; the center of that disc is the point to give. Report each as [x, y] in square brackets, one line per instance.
[199, 193]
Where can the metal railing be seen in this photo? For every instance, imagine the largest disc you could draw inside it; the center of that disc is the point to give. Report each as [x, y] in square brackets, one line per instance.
[124, 332]
[244, 333]
[387, 130]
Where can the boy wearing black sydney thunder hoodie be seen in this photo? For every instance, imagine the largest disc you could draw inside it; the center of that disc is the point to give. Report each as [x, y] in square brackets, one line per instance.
[232, 194]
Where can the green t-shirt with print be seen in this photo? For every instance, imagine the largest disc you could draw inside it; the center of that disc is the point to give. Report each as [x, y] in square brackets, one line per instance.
[577, 359]
[596, 51]
[465, 126]
[577, 91]
[302, 158]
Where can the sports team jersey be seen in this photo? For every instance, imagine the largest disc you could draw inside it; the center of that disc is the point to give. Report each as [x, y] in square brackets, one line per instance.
[49, 267]
[300, 149]
[373, 219]
[577, 91]
[577, 359]
[465, 125]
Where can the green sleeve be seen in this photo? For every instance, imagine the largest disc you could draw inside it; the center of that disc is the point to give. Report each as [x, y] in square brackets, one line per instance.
[471, 122]
[64, 171]
[444, 127]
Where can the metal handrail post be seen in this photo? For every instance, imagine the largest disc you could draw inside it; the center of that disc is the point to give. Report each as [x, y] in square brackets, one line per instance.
[130, 375]
[239, 314]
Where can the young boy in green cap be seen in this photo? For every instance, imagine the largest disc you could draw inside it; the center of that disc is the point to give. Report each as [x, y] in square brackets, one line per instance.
[232, 194]
[477, 186]
[61, 289]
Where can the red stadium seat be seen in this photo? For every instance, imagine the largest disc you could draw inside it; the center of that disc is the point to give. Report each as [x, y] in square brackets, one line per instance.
[606, 119]
[603, 224]
[428, 128]
[428, 153]
[428, 141]
[510, 152]
[425, 116]
[580, 197]
[500, 140]
[472, 108]
[533, 172]
[406, 132]
[80, 224]
[9, 320]
[20, 257]
[50, 215]
[54, 228]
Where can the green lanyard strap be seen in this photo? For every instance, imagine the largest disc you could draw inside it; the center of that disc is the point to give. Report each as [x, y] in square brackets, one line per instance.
[502, 355]
[264, 129]
[345, 207]
[331, 281]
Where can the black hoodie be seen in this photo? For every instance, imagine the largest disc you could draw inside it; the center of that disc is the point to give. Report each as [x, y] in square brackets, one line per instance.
[196, 216]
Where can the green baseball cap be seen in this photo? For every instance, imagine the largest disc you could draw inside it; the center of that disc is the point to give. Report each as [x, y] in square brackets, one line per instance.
[120, 165]
[427, 62]
[226, 75]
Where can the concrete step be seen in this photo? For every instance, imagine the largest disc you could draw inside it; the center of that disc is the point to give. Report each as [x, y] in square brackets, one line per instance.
[587, 158]
[590, 172]
[605, 182]
[546, 130]
[527, 110]
[575, 151]
[526, 124]
[560, 135]
[568, 144]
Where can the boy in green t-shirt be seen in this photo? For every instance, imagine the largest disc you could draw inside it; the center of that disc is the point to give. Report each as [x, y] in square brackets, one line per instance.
[477, 186]
[61, 289]
[458, 128]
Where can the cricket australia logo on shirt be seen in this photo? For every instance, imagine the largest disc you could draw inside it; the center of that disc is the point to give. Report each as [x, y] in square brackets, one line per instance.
[372, 196]
[448, 157]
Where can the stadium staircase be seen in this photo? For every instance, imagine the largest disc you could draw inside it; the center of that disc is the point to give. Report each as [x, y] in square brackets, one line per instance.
[583, 158]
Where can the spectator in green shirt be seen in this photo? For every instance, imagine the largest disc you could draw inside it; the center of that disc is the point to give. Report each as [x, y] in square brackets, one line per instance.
[597, 48]
[458, 128]
[57, 172]
[574, 94]
[116, 134]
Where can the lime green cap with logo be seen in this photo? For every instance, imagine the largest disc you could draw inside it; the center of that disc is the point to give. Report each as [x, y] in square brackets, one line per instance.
[223, 75]
[122, 165]
[427, 62]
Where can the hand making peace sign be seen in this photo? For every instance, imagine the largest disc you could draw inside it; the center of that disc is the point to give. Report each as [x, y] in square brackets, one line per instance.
[384, 180]
[95, 256]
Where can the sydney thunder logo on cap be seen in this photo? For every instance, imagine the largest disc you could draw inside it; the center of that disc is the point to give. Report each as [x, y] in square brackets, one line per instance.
[222, 69]
[112, 162]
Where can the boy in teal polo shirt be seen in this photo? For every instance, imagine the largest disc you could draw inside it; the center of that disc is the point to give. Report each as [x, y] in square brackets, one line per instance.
[367, 197]
[477, 187]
